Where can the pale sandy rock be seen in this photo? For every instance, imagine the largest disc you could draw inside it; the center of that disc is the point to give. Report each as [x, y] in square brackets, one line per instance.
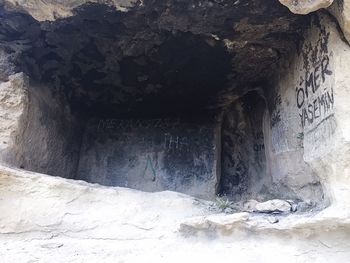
[270, 206]
[48, 219]
[250, 205]
[273, 206]
[341, 10]
[54, 9]
[217, 222]
[305, 6]
[13, 108]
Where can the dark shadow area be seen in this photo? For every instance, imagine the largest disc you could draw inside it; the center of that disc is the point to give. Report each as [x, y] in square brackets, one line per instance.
[136, 98]
[243, 160]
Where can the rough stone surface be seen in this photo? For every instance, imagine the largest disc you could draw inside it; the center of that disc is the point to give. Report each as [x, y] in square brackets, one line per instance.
[13, 109]
[276, 84]
[273, 206]
[243, 166]
[157, 59]
[47, 219]
[93, 52]
[53, 9]
[305, 6]
[152, 155]
[37, 131]
[341, 10]
[219, 222]
[310, 123]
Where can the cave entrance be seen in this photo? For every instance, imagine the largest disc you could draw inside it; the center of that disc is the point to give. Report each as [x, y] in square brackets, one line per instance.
[166, 96]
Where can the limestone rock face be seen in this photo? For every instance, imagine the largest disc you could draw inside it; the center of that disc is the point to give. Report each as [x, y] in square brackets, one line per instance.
[305, 6]
[48, 219]
[273, 206]
[53, 9]
[341, 10]
[13, 109]
[241, 99]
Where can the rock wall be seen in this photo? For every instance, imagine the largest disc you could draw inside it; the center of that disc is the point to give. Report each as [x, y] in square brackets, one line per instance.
[305, 6]
[13, 109]
[151, 155]
[243, 163]
[37, 131]
[307, 126]
[295, 137]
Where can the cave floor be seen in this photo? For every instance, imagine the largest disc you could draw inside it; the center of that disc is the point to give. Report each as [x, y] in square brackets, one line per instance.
[51, 219]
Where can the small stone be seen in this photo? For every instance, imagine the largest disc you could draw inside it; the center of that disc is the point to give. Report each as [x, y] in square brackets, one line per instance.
[294, 206]
[305, 6]
[250, 205]
[273, 219]
[304, 207]
[228, 210]
[273, 206]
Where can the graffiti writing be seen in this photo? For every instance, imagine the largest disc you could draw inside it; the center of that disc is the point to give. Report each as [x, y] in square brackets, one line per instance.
[276, 113]
[259, 142]
[120, 124]
[149, 170]
[279, 137]
[321, 133]
[314, 94]
[259, 135]
[172, 142]
[319, 107]
[258, 147]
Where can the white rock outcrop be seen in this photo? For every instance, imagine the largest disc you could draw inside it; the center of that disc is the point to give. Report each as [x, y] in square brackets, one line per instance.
[53, 9]
[305, 6]
[13, 109]
[341, 10]
[273, 206]
[48, 219]
[306, 139]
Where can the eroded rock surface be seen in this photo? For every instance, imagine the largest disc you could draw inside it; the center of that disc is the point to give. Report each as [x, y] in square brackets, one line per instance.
[46, 219]
[341, 10]
[239, 98]
[305, 6]
[273, 206]
[53, 9]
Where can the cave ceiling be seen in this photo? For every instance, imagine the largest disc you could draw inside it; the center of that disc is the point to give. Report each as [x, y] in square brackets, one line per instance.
[159, 57]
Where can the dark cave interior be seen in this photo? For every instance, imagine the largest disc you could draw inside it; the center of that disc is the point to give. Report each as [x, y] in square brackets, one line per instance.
[158, 92]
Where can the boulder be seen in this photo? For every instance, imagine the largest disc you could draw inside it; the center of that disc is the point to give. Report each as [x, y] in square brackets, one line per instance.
[304, 7]
[273, 206]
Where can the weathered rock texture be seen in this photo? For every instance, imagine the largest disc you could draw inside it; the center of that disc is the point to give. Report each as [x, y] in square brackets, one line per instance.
[199, 97]
[239, 98]
[155, 61]
[305, 6]
[37, 131]
[243, 166]
[310, 123]
[53, 9]
[152, 155]
[162, 42]
[341, 10]
[47, 219]
[13, 109]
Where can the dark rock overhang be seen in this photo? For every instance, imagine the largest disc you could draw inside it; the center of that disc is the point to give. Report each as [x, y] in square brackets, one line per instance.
[160, 57]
